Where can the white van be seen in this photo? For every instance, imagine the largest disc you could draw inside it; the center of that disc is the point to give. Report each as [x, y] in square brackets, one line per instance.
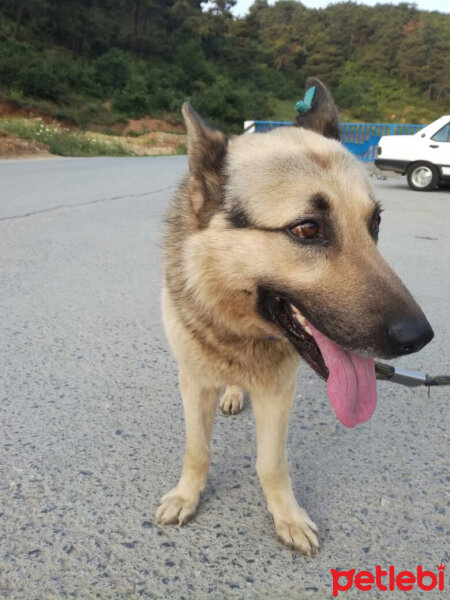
[424, 157]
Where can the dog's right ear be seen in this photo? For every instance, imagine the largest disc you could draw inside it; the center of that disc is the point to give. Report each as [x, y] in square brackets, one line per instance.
[322, 114]
[207, 148]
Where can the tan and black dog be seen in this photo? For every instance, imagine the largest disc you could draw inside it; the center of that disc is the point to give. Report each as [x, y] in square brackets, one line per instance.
[271, 256]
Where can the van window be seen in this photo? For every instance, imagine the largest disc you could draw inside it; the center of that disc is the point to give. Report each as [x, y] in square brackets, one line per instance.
[443, 135]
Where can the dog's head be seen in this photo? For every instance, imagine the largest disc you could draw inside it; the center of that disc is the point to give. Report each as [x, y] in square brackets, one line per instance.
[286, 244]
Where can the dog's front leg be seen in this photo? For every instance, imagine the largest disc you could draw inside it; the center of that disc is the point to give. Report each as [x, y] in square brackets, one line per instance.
[292, 523]
[200, 403]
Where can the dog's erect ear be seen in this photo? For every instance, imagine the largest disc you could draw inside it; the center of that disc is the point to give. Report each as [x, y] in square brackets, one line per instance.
[207, 148]
[322, 114]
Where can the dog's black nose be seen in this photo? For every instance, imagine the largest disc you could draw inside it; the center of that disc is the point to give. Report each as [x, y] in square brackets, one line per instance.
[406, 335]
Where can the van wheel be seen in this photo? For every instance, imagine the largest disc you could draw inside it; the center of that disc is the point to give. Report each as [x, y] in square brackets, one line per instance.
[422, 177]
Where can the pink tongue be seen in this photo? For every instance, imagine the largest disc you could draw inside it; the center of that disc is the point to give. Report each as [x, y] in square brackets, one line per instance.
[351, 385]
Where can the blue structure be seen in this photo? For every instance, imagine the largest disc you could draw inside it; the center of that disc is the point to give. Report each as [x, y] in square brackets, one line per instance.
[359, 138]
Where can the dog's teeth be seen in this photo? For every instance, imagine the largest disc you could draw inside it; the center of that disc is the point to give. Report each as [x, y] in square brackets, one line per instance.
[300, 318]
[298, 315]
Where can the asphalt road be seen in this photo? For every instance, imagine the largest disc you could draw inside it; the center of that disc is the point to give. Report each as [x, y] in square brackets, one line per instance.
[92, 428]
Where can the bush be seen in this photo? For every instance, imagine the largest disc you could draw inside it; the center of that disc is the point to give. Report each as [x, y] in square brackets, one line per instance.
[228, 106]
[181, 149]
[83, 112]
[112, 70]
[79, 75]
[189, 57]
[13, 57]
[166, 88]
[133, 101]
[41, 80]
[374, 96]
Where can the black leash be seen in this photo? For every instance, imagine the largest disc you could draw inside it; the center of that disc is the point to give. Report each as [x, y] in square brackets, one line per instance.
[407, 377]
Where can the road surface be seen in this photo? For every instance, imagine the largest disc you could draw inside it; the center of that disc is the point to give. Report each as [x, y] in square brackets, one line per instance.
[92, 427]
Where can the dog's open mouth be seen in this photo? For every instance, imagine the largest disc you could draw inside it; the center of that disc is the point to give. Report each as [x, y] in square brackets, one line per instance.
[351, 382]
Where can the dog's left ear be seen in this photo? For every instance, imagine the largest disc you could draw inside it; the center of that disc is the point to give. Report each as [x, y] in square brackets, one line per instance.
[207, 148]
[321, 115]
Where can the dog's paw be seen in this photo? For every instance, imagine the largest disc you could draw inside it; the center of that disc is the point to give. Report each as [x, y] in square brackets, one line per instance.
[232, 401]
[174, 508]
[298, 534]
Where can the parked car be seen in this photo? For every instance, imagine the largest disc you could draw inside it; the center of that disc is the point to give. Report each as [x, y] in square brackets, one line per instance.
[423, 157]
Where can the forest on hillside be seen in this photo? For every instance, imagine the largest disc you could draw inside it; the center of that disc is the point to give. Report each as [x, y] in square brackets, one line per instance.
[97, 60]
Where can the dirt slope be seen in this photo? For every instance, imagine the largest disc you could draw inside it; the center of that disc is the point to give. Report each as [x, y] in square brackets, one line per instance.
[15, 147]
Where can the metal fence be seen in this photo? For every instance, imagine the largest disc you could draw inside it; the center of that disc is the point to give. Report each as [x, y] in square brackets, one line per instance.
[360, 138]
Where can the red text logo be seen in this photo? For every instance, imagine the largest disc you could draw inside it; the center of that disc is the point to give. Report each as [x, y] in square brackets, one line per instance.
[388, 579]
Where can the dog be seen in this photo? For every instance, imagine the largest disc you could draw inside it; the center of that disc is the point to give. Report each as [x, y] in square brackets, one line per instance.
[270, 257]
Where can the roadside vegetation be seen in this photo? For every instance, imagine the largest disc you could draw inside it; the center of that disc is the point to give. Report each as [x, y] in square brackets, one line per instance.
[62, 141]
[69, 141]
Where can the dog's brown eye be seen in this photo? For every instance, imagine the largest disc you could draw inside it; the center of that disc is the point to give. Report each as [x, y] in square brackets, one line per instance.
[308, 230]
